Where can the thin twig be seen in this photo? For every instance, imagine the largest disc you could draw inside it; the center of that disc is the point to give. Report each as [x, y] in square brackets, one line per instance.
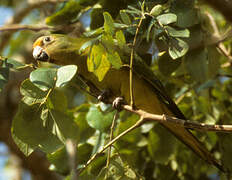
[111, 137]
[136, 125]
[17, 27]
[221, 47]
[132, 103]
[185, 123]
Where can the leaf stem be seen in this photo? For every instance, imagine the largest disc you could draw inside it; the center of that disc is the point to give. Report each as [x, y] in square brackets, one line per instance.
[132, 102]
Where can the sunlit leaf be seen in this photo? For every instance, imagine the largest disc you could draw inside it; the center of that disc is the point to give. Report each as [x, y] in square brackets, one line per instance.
[44, 78]
[178, 33]
[65, 74]
[120, 38]
[156, 10]
[108, 24]
[166, 19]
[177, 48]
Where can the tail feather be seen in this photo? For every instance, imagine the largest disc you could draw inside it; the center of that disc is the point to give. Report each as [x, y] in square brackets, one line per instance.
[192, 142]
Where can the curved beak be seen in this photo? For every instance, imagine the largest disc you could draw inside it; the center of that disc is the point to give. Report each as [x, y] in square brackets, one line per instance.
[39, 54]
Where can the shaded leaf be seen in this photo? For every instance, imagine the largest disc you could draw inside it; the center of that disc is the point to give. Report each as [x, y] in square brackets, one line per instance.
[65, 126]
[161, 144]
[196, 64]
[66, 14]
[29, 128]
[167, 65]
[114, 59]
[4, 77]
[57, 100]
[125, 18]
[187, 15]
[98, 120]
[25, 148]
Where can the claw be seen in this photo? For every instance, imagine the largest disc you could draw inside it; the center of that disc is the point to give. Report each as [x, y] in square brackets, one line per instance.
[118, 102]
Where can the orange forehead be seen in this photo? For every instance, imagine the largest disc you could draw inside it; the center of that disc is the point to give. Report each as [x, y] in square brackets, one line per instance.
[38, 42]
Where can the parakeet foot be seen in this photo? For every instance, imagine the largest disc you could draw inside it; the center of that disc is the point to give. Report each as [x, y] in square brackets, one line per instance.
[118, 102]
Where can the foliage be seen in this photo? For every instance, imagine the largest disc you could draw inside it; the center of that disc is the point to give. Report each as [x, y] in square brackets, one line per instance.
[173, 40]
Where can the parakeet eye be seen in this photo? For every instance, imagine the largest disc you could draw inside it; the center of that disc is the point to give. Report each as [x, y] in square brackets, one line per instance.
[47, 39]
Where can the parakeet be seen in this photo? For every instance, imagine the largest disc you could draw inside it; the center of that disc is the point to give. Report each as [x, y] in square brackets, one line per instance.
[149, 93]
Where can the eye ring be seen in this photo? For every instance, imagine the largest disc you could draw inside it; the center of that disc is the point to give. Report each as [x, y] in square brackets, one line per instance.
[47, 39]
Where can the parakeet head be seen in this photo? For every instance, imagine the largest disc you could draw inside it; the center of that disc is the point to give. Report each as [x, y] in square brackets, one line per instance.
[57, 48]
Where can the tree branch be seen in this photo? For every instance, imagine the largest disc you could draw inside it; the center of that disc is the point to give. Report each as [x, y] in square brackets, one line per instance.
[20, 14]
[17, 27]
[185, 123]
[224, 6]
[145, 117]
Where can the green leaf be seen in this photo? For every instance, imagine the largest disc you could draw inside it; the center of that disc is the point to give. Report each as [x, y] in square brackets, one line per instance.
[108, 24]
[178, 33]
[94, 32]
[225, 148]
[99, 120]
[125, 18]
[44, 78]
[161, 144]
[167, 65]
[166, 19]
[121, 39]
[80, 119]
[65, 74]
[187, 15]
[30, 129]
[97, 62]
[177, 48]
[117, 170]
[65, 126]
[57, 101]
[25, 148]
[114, 59]
[32, 94]
[59, 159]
[66, 14]
[87, 45]
[11, 63]
[95, 58]
[156, 10]
[27, 88]
[195, 63]
[213, 61]
[4, 77]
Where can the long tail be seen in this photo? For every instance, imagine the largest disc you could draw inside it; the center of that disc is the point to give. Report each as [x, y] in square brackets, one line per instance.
[192, 142]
